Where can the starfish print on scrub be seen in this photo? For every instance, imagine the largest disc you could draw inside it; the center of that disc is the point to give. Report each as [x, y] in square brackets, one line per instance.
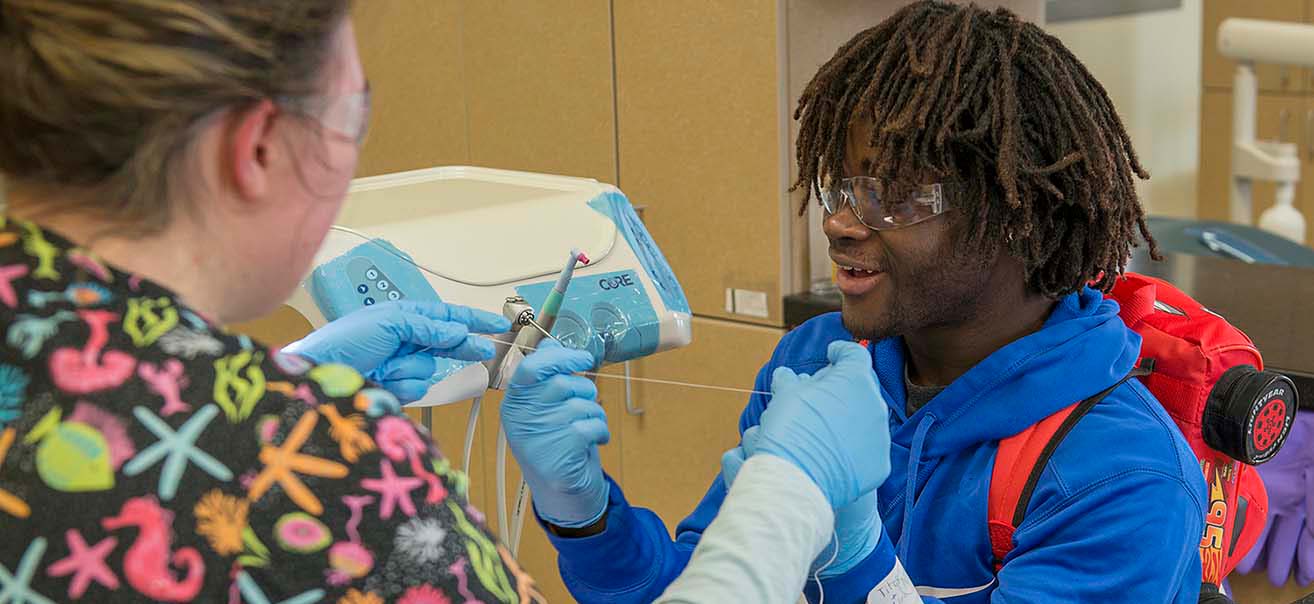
[399, 441]
[15, 588]
[394, 491]
[86, 564]
[283, 463]
[177, 449]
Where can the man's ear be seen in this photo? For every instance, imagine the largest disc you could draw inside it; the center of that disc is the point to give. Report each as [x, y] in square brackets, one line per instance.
[249, 147]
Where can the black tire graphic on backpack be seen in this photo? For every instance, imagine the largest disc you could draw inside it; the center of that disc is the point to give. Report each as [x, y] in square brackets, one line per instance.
[1249, 414]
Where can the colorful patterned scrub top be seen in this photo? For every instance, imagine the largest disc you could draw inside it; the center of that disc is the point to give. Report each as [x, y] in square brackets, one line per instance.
[148, 456]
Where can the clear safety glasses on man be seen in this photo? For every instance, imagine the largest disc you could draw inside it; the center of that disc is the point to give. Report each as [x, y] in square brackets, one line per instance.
[882, 205]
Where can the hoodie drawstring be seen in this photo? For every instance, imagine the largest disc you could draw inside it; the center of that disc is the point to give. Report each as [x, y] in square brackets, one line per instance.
[910, 489]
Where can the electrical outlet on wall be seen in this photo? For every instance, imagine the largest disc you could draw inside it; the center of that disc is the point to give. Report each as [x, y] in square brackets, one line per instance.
[746, 302]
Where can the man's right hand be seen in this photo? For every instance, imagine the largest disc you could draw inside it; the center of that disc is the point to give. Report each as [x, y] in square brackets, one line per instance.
[554, 425]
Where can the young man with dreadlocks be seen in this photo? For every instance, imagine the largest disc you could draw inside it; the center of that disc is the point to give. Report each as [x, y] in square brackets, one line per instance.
[979, 193]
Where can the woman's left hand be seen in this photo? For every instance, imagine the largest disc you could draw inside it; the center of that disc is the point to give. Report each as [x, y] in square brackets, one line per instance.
[396, 343]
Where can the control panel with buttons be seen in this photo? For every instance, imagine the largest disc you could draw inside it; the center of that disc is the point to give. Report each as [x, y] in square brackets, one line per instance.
[370, 273]
[372, 283]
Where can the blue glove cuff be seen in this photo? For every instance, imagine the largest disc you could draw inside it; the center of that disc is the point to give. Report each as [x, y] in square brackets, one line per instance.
[859, 579]
[576, 511]
[851, 554]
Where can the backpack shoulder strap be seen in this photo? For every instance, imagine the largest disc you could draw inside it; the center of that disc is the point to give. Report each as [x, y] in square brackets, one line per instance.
[1017, 469]
[1020, 461]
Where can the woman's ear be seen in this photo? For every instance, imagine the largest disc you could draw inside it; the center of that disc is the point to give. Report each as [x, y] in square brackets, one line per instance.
[248, 149]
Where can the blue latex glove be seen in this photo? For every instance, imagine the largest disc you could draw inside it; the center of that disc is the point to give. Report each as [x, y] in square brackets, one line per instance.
[734, 459]
[1287, 543]
[833, 425]
[396, 343]
[857, 525]
[554, 425]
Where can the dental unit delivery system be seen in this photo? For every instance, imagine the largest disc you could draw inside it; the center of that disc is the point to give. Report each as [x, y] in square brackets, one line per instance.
[409, 236]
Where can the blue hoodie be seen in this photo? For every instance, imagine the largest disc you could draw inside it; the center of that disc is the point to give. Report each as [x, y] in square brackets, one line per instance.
[1116, 516]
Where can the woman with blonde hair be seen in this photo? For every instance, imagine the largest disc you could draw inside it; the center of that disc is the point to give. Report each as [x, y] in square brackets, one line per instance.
[172, 167]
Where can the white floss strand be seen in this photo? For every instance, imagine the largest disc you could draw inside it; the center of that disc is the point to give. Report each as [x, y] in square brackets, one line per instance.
[648, 380]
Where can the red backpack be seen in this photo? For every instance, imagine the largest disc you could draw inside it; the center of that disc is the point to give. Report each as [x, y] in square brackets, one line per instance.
[1210, 378]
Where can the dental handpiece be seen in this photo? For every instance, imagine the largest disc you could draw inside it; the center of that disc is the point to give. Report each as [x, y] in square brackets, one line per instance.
[547, 316]
[530, 327]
